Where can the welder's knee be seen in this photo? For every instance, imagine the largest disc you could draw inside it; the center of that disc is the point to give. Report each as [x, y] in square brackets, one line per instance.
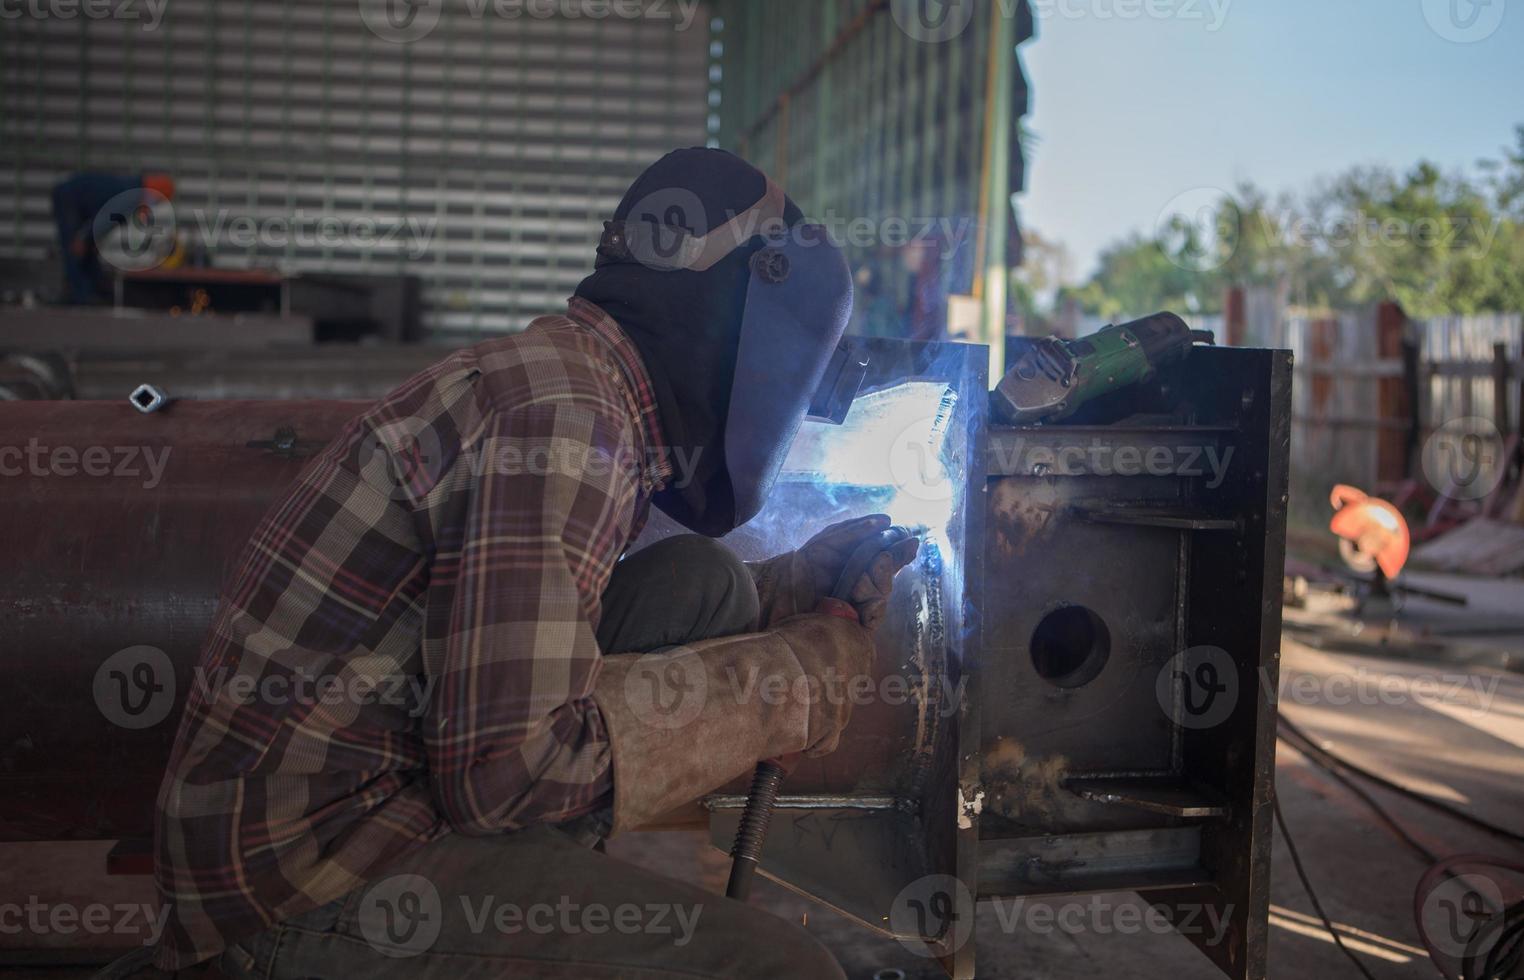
[680, 590]
[716, 579]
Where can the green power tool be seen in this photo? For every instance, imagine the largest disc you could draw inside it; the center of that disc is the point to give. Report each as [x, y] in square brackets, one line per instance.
[1056, 377]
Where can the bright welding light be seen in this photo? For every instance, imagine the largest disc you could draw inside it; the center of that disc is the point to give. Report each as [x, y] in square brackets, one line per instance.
[893, 441]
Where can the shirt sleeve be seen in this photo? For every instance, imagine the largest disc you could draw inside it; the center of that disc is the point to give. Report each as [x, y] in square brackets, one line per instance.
[537, 512]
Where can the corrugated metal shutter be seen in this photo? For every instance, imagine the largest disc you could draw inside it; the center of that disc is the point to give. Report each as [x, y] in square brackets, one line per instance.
[503, 140]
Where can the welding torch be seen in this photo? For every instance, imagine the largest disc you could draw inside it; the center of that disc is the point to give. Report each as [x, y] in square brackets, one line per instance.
[762, 799]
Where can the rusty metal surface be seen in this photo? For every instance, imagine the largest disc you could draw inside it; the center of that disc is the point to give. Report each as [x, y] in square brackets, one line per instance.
[87, 328]
[336, 371]
[119, 528]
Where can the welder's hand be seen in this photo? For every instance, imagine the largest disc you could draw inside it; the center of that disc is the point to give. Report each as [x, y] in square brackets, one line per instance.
[833, 655]
[794, 583]
[869, 595]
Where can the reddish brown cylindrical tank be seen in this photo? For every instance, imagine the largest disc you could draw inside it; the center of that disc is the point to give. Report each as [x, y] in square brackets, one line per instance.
[119, 528]
[122, 526]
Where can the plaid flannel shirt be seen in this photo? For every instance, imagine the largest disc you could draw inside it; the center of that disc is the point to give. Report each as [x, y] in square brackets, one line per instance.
[407, 648]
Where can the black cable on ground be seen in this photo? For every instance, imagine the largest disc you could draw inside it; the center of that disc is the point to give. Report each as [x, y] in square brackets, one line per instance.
[1382, 814]
[1498, 959]
[1506, 954]
[1414, 795]
[1312, 896]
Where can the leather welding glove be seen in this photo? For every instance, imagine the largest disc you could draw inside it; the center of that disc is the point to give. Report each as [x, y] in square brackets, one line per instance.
[870, 593]
[685, 722]
[797, 581]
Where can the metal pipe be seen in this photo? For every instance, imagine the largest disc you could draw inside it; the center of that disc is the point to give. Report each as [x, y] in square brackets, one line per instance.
[330, 372]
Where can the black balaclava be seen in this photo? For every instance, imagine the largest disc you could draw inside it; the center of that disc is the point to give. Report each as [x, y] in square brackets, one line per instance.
[687, 324]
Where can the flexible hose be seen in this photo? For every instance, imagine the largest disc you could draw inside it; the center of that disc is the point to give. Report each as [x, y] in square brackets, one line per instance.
[752, 832]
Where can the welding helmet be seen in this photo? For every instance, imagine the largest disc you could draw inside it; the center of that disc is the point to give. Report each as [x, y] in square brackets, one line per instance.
[798, 303]
[737, 319]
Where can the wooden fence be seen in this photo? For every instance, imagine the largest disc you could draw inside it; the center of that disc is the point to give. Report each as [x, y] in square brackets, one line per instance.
[1371, 386]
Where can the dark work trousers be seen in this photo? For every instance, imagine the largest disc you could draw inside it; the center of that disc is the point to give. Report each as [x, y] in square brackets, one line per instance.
[537, 903]
[77, 202]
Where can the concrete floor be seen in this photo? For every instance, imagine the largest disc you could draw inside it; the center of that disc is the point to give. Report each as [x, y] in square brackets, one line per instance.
[1464, 745]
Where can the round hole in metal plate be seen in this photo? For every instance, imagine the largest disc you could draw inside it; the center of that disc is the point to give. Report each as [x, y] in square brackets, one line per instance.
[1070, 646]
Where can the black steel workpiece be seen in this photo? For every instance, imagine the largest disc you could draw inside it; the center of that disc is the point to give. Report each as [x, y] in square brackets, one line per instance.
[1131, 643]
[1101, 721]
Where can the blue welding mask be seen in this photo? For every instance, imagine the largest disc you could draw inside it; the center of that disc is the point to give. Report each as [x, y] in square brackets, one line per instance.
[737, 307]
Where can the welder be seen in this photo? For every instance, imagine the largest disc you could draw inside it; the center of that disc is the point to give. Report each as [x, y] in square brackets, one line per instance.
[465, 536]
[88, 205]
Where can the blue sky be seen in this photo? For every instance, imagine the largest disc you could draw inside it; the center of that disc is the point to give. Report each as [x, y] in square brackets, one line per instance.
[1132, 110]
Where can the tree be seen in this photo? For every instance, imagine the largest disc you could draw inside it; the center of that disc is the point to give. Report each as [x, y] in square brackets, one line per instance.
[1436, 243]
[1138, 276]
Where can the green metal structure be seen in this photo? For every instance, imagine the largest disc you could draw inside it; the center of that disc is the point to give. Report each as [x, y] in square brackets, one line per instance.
[887, 119]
